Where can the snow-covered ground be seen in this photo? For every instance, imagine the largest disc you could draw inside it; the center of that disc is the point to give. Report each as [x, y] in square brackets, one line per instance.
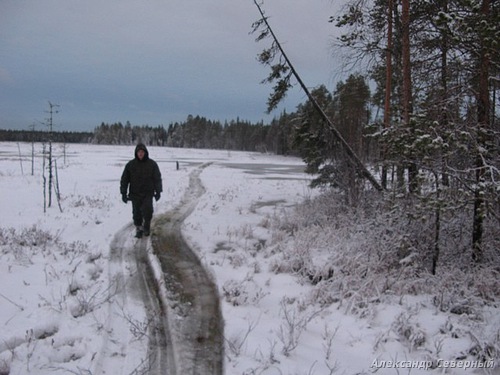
[62, 313]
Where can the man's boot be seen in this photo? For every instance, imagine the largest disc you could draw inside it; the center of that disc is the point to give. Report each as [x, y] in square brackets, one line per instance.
[147, 228]
[139, 231]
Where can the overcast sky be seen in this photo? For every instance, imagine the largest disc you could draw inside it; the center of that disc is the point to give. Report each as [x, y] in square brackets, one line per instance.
[151, 61]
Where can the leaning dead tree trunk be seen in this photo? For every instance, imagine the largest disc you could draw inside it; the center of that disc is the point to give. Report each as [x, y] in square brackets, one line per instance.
[282, 72]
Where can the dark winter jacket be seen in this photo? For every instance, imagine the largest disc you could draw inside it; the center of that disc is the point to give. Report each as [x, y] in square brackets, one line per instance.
[143, 176]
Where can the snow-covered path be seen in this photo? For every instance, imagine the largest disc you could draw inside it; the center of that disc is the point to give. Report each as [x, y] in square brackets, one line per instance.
[132, 282]
[194, 313]
[181, 303]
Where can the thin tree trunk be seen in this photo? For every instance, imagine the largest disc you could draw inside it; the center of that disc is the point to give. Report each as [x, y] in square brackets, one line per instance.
[32, 158]
[20, 158]
[50, 170]
[44, 181]
[437, 227]
[407, 96]
[444, 87]
[56, 187]
[483, 108]
[388, 88]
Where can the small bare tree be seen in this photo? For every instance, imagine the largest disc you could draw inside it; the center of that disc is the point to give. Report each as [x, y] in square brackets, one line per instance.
[50, 125]
[32, 136]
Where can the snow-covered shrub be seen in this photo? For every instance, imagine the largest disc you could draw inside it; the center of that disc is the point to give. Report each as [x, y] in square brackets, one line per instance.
[88, 298]
[237, 260]
[244, 292]
[381, 246]
[235, 343]
[23, 245]
[387, 249]
[305, 255]
[409, 331]
[97, 202]
[295, 319]
[485, 351]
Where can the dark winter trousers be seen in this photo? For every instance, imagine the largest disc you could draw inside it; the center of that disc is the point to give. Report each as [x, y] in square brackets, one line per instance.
[142, 211]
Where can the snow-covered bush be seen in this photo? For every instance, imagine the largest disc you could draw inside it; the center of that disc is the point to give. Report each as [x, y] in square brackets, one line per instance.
[378, 247]
[382, 250]
[244, 292]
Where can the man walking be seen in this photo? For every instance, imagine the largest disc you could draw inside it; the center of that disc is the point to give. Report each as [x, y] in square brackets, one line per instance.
[143, 177]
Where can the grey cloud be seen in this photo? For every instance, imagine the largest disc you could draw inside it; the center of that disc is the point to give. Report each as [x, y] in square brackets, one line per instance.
[150, 61]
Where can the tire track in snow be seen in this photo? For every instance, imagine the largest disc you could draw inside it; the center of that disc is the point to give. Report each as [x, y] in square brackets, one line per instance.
[131, 280]
[160, 350]
[117, 272]
[195, 319]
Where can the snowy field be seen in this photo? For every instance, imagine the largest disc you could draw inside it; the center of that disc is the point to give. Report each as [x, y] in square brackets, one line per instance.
[56, 278]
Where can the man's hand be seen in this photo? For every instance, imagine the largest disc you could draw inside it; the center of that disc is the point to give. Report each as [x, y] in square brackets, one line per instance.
[124, 198]
[157, 196]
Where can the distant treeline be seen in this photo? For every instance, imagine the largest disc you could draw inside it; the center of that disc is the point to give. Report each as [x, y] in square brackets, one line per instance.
[43, 136]
[195, 132]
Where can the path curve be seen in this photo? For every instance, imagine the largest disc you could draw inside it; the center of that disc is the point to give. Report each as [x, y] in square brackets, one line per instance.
[194, 315]
[180, 300]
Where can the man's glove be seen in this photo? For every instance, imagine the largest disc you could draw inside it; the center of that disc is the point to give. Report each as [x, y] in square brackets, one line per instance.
[157, 196]
[124, 198]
